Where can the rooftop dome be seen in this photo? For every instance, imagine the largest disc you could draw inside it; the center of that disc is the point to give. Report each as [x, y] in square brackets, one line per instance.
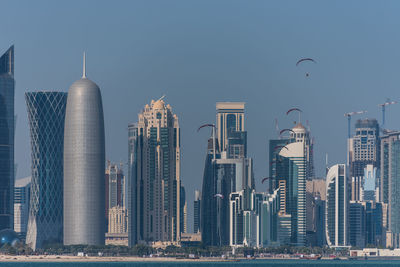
[299, 128]
[84, 83]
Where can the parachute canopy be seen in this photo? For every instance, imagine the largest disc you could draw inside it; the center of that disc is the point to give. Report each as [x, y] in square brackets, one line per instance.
[206, 125]
[286, 130]
[264, 179]
[219, 195]
[305, 59]
[293, 109]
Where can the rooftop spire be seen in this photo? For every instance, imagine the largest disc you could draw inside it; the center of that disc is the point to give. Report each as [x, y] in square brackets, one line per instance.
[84, 65]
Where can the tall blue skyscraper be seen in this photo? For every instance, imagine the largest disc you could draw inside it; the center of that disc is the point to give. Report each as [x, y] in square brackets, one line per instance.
[230, 171]
[7, 127]
[84, 165]
[46, 113]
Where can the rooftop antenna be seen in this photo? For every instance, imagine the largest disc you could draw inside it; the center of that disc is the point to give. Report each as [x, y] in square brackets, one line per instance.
[84, 65]
[161, 98]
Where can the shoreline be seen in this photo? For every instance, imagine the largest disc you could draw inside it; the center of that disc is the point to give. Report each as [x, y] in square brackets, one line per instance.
[63, 258]
[69, 258]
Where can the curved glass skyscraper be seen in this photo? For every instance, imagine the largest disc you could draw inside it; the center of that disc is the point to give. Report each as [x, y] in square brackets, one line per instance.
[84, 158]
[46, 113]
[7, 139]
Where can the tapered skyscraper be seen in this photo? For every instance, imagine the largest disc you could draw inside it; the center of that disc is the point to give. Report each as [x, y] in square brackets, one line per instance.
[46, 113]
[84, 165]
[7, 139]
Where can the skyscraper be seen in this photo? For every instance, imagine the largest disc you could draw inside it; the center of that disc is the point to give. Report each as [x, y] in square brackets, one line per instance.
[134, 208]
[157, 174]
[114, 181]
[183, 211]
[292, 169]
[7, 126]
[46, 113]
[291, 165]
[22, 194]
[84, 160]
[196, 211]
[393, 233]
[337, 206]
[230, 118]
[230, 171]
[364, 147]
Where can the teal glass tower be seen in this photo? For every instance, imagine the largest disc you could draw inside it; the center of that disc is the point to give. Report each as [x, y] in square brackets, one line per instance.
[7, 84]
[46, 113]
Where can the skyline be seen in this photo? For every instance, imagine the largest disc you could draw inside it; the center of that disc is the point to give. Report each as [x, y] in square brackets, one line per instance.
[207, 54]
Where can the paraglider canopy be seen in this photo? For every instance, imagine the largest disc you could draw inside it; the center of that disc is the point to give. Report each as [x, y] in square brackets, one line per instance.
[264, 179]
[286, 130]
[206, 125]
[303, 60]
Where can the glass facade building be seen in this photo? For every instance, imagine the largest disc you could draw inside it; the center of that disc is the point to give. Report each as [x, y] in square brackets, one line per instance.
[135, 212]
[46, 113]
[337, 206]
[7, 127]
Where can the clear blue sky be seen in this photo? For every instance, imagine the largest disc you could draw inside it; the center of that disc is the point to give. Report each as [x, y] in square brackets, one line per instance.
[201, 52]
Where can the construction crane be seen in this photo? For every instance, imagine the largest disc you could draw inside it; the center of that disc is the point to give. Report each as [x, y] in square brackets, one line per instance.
[387, 103]
[349, 115]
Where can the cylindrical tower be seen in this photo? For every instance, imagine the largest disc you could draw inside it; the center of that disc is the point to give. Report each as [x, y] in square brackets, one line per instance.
[84, 158]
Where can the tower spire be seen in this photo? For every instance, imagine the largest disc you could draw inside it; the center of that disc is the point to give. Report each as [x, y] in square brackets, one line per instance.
[84, 65]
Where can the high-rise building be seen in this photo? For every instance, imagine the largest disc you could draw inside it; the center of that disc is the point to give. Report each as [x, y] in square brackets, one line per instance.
[364, 147]
[357, 224]
[84, 165]
[154, 153]
[117, 220]
[386, 142]
[394, 195]
[208, 211]
[7, 127]
[230, 171]
[230, 118]
[315, 203]
[114, 184]
[386, 177]
[183, 211]
[22, 194]
[134, 185]
[253, 219]
[337, 200]
[196, 211]
[291, 165]
[292, 169]
[46, 113]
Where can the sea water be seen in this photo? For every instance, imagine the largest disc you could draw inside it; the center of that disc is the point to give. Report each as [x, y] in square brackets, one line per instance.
[244, 263]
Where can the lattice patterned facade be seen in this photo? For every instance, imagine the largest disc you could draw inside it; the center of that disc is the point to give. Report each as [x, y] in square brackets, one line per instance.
[46, 113]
